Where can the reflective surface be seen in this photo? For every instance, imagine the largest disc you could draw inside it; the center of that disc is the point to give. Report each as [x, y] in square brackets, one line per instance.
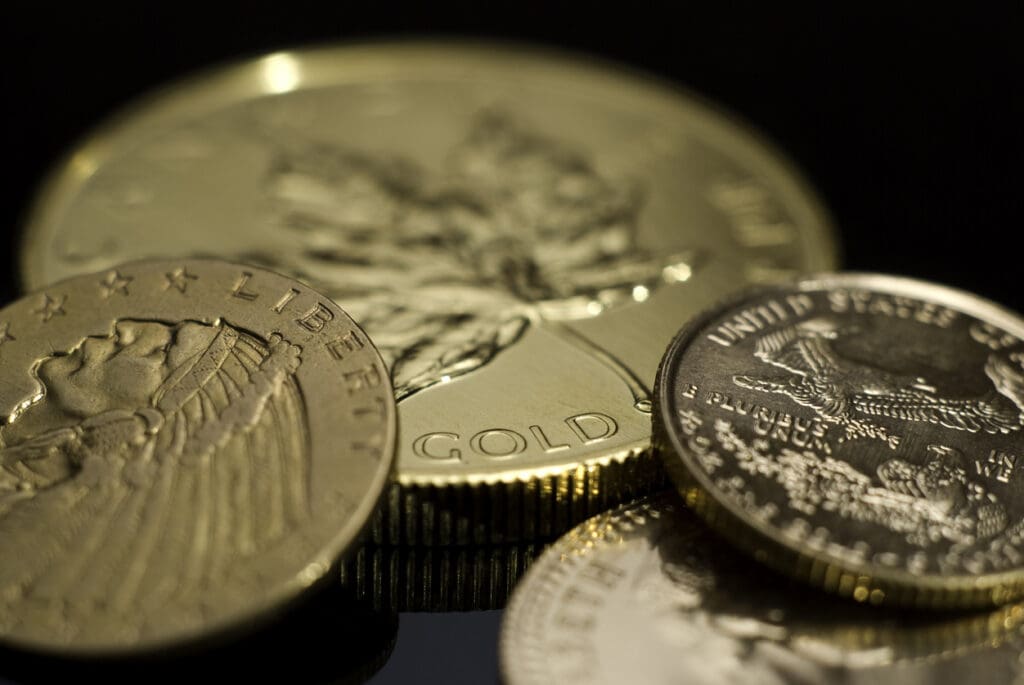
[518, 231]
[647, 594]
[859, 431]
[189, 446]
[327, 640]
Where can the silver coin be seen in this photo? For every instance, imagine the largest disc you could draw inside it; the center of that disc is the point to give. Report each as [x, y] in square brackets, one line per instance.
[861, 432]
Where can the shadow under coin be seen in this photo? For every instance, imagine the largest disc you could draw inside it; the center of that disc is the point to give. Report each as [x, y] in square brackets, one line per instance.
[328, 638]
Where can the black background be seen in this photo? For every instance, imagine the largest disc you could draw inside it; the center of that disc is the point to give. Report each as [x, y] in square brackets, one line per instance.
[907, 121]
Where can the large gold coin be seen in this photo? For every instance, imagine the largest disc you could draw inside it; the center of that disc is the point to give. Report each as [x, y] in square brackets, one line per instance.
[189, 445]
[859, 431]
[648, 594]
[520, 233]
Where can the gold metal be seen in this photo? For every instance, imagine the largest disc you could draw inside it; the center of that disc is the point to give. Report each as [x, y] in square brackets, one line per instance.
[860, 432]
[648, 594]
[462, 578]
[520, 232]
[188, 447]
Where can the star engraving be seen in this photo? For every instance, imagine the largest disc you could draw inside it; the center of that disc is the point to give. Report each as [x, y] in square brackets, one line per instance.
[178, 279]
[51, 307]
[5, 332]
[115, 283]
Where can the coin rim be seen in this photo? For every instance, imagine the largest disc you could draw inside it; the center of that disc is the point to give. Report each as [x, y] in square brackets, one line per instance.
[767, 543]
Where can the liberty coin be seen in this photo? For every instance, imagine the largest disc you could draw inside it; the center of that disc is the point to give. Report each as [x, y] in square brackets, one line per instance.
[518, 231]
[649, 594]
[187, 447]
[862, 432]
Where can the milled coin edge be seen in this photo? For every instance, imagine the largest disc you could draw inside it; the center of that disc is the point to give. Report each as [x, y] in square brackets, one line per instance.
[872, 584]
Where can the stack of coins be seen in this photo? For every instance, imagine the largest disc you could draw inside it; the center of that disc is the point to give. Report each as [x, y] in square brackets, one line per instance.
[385, 320]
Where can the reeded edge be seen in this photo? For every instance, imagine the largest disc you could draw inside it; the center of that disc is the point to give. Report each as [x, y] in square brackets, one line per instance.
[765, 543]
[432, 579]
[530, 505]
[393, 54]
[286, 595]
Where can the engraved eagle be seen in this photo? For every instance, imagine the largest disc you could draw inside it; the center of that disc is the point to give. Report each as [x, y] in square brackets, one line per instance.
[446, 270]
[846, 392]
[152, 462]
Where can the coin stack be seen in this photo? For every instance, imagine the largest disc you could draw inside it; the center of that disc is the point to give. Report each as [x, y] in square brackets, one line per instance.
[385, 320]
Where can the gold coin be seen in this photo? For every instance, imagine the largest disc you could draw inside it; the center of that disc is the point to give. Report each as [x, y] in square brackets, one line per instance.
[189, 446]
[859, 431]
[434, 579]
[519, 231]
[648, 594]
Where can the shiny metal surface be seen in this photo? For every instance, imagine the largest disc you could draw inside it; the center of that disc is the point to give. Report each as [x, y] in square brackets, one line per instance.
[519, 231]
[189, 446]
[647, 593]
[859, 431]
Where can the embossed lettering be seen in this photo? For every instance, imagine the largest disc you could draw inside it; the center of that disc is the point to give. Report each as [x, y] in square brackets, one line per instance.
[999, 465]
[756, 220]
[239, 290]
[285, 299]
[992, 337]
[545, 444]
[350, 342]
[374, 446]
[421, 446]
[378, 410]
[593, 427]
[367, 377]
[843, 300]
[758, 318]
[316, 318]
[498, 442]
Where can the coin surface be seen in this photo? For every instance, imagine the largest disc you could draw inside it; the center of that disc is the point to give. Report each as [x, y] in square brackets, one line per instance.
[188, 446]
[860, 431]
[647, 593]
[520, 233]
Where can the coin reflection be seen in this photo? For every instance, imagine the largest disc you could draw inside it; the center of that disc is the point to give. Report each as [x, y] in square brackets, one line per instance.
[327, 639]
[648, 593]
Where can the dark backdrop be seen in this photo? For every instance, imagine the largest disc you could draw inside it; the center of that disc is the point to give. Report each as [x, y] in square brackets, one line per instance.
[908, 123]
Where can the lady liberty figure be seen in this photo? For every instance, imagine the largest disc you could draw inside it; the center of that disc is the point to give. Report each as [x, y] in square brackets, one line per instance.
[152, 461]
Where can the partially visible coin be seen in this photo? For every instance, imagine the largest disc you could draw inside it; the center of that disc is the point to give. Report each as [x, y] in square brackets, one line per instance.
[189, 446]
[517, 230]
[648, 594]
[862, 432]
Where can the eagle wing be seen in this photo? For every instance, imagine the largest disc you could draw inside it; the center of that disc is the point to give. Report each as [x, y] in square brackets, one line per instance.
[971, 415]
[790, 350]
